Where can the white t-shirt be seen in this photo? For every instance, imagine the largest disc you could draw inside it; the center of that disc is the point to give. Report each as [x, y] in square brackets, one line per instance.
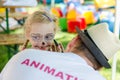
[33, 64]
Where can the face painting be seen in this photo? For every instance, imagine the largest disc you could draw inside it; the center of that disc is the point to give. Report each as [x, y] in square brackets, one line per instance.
[41, 35]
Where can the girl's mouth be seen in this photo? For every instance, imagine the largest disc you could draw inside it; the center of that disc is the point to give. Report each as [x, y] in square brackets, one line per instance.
[41, 47]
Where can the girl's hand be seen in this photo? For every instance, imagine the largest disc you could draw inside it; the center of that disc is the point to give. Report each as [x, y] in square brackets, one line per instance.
[57, 47]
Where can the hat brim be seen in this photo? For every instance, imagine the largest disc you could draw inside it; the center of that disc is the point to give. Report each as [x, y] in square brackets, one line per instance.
[91, 46]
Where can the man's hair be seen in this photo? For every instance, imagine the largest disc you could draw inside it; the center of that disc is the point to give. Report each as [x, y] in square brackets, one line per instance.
[82, 48]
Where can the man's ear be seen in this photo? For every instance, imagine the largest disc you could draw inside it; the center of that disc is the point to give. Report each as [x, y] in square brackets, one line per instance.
[75, 40]
[72, 43]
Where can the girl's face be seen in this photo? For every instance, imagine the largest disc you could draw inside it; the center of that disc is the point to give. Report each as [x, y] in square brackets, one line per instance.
[41, 35]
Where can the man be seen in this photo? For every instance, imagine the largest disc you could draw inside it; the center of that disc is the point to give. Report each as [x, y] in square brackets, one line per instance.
[85, 54]
[97, 45]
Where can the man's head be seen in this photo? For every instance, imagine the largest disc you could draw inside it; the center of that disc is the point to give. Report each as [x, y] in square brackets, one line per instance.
[40, 29]
[77, 46]
[99, 41]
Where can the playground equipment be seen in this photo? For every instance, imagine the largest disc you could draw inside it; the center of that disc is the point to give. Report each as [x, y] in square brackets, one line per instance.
[89, 17]
[104, 3]
[63, 23]
[79, 22]
[57, 12]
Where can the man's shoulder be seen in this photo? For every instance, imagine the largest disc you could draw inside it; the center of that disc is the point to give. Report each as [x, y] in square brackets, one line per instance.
[31, 64]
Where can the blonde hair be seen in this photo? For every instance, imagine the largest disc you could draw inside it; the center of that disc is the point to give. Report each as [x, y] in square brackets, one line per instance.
[41, 16]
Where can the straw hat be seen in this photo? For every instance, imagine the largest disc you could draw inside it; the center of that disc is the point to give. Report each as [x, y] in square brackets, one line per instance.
[102, 43]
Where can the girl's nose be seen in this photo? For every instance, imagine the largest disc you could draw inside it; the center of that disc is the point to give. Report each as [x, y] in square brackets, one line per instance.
[43, 43]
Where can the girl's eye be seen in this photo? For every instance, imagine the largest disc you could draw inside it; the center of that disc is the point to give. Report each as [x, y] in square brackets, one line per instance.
[35, 37]
[49, 37]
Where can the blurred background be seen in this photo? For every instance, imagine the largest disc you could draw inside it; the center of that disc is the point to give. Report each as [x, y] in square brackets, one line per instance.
[70, 13]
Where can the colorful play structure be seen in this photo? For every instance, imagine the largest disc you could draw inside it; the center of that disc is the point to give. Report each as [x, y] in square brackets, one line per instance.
[84, 15]
[72, 19]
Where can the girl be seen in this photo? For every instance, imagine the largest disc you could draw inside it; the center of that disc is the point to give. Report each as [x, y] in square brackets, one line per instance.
[40, 29]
